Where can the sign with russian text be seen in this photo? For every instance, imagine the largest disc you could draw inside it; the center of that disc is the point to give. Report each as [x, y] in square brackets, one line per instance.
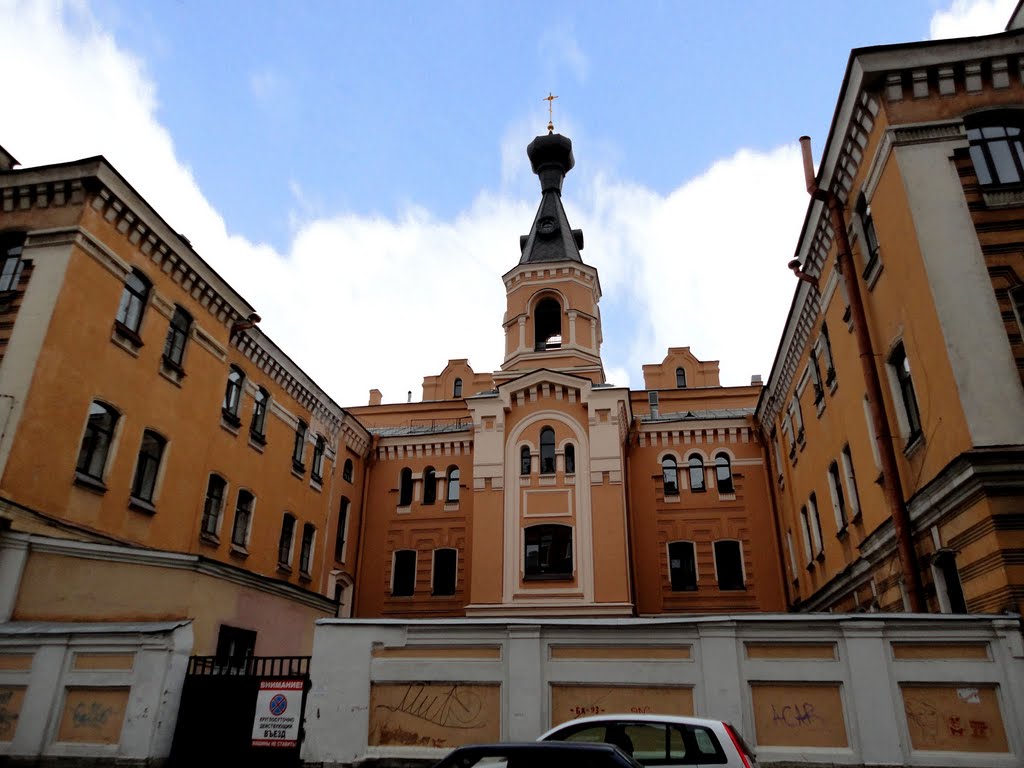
[278, 714]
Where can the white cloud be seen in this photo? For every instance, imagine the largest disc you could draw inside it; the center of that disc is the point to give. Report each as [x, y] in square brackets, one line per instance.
[363, 302]
[968, 18]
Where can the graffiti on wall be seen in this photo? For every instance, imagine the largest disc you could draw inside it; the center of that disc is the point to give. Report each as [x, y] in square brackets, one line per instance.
[93, 715]
[11, 698]
[798, 715]
[571, 701]
[434, 714]
[962, 718]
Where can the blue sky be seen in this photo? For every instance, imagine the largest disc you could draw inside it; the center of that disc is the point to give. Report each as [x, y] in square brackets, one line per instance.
[358, 170]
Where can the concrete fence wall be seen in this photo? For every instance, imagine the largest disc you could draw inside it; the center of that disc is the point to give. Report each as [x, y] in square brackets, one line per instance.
[861, 689]
[98, 693]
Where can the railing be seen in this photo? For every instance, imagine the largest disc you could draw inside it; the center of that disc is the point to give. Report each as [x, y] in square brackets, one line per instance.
[257, 666]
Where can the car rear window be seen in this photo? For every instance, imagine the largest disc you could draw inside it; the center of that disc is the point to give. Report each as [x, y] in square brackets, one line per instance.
[654, 744]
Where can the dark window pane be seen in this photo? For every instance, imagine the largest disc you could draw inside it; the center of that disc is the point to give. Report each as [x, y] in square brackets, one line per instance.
[99, 431]
[457, 389]
[696, 465]
[243, 515]
[548, 550]
[682, 566]
[670, 476]
[133, 301]
[403, 579]
[723, 473]
[213, 505]
[547, 451]
[405, 488]
[146, 467]
[524, 460]
[339, 540]
[300, 442]
[452, 494]
[306, 551]
[284, 544]
[570, 459]
[729, 565]
[346, 473]
[233, 391]
[444, 571]
[429, 486]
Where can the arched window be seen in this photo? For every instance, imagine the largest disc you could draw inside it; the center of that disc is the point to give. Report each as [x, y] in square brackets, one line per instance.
[570, 459]
[99, 434]
[696, 464]
[996, 148]
[452, 485]
[670, 476]
[214, 504]
[429, 486]
[524, 460]
[867, 224]
[133, 302]
[457, 388]
[177, 335]
[680, 378]
[150, 452]
[319, 448]
[284, 543]
[233, 394]
[243, 519]
[723, 473]
[548, 553]
[259, 413]
[547, 325]
[729, 565]
[405, 488]
[346, 473]
[547, 451]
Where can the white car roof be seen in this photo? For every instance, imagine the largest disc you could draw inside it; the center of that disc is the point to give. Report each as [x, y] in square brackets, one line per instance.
[636, 718]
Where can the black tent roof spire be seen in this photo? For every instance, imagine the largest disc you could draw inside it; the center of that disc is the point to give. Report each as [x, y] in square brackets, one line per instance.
[551, 238]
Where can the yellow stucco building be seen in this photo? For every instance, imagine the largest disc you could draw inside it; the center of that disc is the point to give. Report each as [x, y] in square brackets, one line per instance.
[162, 458]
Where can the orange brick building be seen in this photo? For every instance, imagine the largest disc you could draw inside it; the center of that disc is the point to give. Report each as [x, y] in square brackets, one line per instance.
[162, 458]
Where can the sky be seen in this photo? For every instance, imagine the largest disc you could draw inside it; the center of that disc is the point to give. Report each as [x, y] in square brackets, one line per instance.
[358, 171]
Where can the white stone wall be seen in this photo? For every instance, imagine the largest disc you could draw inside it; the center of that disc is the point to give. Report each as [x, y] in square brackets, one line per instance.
[856, 667]
[91, 691]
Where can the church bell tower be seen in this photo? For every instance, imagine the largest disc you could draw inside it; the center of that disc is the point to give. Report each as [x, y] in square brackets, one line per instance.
[552, 319]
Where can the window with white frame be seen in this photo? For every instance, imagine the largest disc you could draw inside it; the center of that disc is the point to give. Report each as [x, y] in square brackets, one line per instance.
[805, 529]
[682, 566]
[851, 482]
[729, 565]
[794, 569]
[97, 440]
[670, 476]
[899, 365]
[147, 466]
[826, 349]
[319, 448]
[452, 486]
[996, 146]
[723, 473]
[133, 304]
[696, 467]
[213, 504]
[306, 549]
[342, 532]
[177, 336]
[815, 520]
[405, 487]
[285, 541]
[243, 519]
[429, 485]
[835, 487]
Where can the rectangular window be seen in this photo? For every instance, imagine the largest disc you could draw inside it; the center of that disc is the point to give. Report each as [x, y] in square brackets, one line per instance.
[798, 419]
[299, 448]
[339, 541]
[177, 335]
[826, 348]
[403, 573]
[729, 565]
[318, 458]
[819, 386]
[284, 544]
[10, 269]
[682, 566]
[243, 517]
[147, 466]
[871, 433]
[835, 487]
[900, 366]
[443, 582]
[793, 568]
[306, 553]
[815, 520]
[214, 504]
[234, 646]
[851, 482]
[805, 525]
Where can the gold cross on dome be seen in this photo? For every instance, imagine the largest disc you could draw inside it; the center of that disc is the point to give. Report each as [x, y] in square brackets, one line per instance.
[550, 100]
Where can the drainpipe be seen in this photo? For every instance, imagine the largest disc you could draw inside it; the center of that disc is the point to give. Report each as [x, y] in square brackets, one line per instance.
[357, 570]
[891, 485]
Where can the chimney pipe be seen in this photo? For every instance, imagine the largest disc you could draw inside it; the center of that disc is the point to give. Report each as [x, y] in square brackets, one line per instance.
[245, 325]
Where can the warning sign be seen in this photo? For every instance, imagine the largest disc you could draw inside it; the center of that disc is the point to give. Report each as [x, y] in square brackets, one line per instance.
[278, 712]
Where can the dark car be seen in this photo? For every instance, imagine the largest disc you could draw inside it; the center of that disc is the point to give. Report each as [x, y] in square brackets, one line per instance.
[552, 754]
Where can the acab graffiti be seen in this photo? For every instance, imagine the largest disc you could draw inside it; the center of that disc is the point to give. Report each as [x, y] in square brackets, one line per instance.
[797, 715]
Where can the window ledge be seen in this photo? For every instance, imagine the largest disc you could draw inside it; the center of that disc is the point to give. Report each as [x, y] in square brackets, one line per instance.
[284, 568]
[810, 567]
[451, 506]
[872, 271]
[741, 588]
[524, 480]
[547, 480]
[702, 489]
[209, 538]
[731, 496]
[672, 498]
[685, 589]
[442, 594]
[256, 445]
[316, 483]
[257, 437]
[914, 443]
[298, 468]
[548, 577]
[231, 419]
[237, 550]
[141, 505]
[820, 557]
[124, 343]
[1006, 196]
[843, 533]
[127, 334]
[305, 577]
[171, 376]
[404, 510]
[855, 517]
[90, 483]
